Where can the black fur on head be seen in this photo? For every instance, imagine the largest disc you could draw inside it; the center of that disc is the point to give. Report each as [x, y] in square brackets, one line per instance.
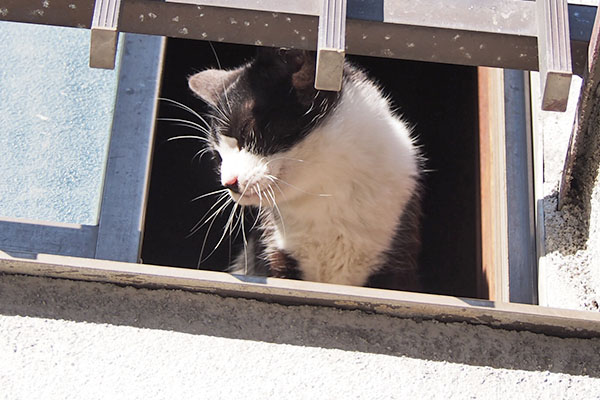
[269, 104]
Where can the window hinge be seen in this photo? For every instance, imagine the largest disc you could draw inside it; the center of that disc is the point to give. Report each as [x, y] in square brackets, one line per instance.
[103, 40]
[331, 45]
[554, 53]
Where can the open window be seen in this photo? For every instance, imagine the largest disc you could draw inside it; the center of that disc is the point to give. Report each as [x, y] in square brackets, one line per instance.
[464, 116]
[439, 100]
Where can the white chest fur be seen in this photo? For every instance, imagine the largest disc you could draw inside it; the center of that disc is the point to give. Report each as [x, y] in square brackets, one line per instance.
[352, 178]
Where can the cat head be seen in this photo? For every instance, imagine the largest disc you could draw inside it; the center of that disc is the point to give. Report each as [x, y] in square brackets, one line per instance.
[258, 112]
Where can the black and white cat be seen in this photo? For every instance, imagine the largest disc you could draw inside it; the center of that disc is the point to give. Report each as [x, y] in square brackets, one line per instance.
[334, 174]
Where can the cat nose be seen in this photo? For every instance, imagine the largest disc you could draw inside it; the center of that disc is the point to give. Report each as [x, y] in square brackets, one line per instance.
[232, 184]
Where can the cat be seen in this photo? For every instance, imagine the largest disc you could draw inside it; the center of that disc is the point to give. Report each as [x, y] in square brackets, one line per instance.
[335, 175]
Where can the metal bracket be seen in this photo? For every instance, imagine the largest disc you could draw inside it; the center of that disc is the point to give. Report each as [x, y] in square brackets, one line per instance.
[104, 36]
[554, 53]
[331, 45]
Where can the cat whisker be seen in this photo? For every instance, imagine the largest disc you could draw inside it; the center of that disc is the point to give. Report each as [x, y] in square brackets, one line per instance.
[300, 190]
[245, 243]
[271, 194]
[212, 218]
[244, 191]
[284, 158]
[220, 67]
[223, 117]
[210, 194]
[203, 139]
[187, 124]
[312, 104]
[260, 209]
[200, 154]
[317, 117]
[185, 108]
[227, 103]
[324, 103]
[236, 226]
[203, 221]
[229, 221]
[201, 259]
[215, 54]
[221, 120]
[272, 179]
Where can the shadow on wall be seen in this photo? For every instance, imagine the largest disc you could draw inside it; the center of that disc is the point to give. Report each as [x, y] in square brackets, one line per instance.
[319, 327]
[567, 229]
[579, 184]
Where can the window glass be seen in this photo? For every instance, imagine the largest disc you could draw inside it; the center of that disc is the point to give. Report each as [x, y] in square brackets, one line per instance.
[56, 115]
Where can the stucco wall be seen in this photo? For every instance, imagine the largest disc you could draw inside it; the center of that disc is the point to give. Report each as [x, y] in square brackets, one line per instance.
[63, 339]
[594, 244]
[570, 270]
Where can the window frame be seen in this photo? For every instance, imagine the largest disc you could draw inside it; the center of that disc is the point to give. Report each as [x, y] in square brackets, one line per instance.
[118, 233]
[176, 19]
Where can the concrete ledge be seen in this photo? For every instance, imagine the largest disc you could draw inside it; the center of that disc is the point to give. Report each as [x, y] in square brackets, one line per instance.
[556, 322]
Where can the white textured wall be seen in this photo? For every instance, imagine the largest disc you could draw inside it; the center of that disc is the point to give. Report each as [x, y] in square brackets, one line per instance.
[570, 270]
[61, 339]
[594, 246]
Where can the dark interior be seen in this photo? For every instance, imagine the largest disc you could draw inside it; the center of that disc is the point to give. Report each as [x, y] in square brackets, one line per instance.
[439, 100]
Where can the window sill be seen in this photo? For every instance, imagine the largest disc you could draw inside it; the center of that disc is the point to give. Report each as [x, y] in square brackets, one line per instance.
[521, 317]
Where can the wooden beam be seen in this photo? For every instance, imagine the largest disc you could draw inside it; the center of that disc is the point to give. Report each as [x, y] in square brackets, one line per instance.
[493, 276]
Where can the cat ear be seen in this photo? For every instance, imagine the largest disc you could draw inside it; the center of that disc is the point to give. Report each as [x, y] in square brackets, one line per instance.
[281, 61]
[284, 63]
[209, 84]
[289, 65]
[304, 63]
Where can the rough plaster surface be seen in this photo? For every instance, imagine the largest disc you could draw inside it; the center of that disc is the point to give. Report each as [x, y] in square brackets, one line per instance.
[570, 270]
[62, 339]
